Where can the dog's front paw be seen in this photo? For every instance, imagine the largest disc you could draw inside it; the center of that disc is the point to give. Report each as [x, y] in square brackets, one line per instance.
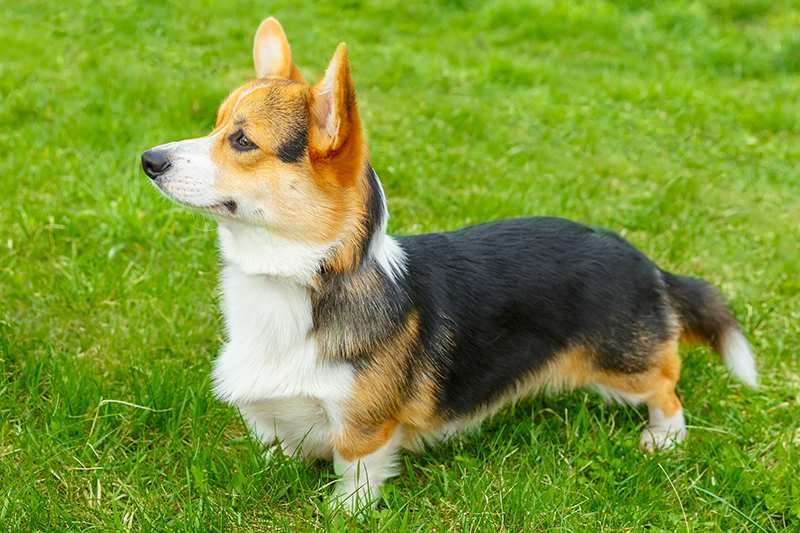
[352, 499]
[280, 449]
[661, 438]
[271, 452]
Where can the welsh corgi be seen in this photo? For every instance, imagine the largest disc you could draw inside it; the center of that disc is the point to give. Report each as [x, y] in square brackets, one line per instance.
[348, 344]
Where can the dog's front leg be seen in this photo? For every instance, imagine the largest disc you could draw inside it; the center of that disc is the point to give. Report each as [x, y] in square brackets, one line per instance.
[299, 426]
[364, 457]
[261, 423]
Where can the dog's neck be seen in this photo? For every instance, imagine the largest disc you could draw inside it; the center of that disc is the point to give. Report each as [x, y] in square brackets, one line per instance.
[256, 251]
[352, 308]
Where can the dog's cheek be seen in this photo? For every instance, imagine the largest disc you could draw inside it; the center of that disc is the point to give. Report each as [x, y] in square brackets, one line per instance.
[304, 211]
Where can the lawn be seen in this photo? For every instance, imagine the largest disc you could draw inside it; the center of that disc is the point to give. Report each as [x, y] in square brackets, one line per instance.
[674, 123]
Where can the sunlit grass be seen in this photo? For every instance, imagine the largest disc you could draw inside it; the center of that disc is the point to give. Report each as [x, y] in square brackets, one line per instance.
[674, 123]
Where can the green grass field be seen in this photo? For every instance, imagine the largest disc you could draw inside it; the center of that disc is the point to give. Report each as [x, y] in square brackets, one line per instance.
[674, 123]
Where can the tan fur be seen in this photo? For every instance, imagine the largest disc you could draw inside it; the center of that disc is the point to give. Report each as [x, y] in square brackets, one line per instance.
[338, 151]
[379, 395]
[376, 395]
[576, 367]
[358, 441]
[569, 370]
[656, 386]
[304, 207]
[377, 391]
[420, 410]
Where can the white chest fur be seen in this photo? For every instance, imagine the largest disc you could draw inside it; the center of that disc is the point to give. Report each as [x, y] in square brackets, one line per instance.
[271, 352]
[270, 368]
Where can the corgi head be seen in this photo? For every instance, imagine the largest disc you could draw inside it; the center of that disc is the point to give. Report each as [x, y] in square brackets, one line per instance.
[286, 162]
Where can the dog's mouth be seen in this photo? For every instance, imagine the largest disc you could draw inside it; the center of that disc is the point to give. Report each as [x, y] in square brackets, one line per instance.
[228, 207]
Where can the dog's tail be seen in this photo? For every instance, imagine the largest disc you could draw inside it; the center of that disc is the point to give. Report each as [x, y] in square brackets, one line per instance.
[706, 318]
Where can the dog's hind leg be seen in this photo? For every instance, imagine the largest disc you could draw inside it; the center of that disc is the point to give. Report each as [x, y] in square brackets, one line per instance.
[654, 387]
[667, 425]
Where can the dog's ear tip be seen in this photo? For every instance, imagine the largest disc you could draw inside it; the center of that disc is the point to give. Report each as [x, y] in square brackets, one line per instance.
[340, 58]
[270, 21]
[272, 54]
[270, 25]
[341, 50]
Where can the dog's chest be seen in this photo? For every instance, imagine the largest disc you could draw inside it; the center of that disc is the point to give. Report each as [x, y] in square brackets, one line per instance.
[271, 353]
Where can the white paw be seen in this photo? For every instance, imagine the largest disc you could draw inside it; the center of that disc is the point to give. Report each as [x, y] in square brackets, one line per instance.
[353, 500]
[271, 452]
[281, 448]
[661, 438]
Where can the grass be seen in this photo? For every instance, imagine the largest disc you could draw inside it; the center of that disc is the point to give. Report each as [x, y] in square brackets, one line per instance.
[675, 123]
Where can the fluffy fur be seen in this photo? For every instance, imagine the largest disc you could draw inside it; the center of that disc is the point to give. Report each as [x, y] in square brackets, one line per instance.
[348, 344]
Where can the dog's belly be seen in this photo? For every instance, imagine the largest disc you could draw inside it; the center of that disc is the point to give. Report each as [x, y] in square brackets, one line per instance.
[301, 425]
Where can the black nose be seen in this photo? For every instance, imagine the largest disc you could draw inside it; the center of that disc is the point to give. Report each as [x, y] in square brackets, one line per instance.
[155, 162]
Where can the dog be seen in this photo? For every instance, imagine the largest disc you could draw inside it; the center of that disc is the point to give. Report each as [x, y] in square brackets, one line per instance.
[347, 344]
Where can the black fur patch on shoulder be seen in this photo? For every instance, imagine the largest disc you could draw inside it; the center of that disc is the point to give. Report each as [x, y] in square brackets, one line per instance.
[353, 312]
[294, 148]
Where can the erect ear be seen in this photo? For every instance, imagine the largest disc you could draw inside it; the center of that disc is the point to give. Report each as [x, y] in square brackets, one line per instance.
[333, 110]
[271, 53]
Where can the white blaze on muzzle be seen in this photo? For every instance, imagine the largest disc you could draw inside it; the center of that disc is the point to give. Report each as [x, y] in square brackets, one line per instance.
[191, 174]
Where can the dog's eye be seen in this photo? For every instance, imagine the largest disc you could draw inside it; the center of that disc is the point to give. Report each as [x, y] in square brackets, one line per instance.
[240, 141]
